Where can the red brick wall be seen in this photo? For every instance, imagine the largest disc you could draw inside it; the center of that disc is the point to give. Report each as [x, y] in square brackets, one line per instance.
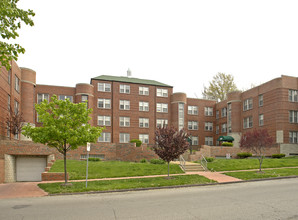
[53, 176]
[2, 168]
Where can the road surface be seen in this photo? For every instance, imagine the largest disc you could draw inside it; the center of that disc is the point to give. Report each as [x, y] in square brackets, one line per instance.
[275, 199]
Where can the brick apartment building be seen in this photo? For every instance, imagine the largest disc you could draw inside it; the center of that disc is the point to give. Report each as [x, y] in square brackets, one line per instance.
[132, 108]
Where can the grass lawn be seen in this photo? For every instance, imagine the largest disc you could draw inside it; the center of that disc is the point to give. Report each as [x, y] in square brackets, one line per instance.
[107, 169]
[248, 175]
[56, 188]
[246, 164]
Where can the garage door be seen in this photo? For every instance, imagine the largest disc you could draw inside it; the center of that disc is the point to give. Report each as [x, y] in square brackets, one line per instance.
[30, 168]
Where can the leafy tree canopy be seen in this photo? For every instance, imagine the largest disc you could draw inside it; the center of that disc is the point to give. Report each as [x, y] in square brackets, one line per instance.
[64, 126]
[11, 18]
[219, 87]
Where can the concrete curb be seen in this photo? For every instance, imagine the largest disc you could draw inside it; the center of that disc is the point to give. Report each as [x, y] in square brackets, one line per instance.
[172, 187]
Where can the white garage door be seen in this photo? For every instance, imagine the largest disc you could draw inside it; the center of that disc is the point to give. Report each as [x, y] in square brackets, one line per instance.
[30, 168]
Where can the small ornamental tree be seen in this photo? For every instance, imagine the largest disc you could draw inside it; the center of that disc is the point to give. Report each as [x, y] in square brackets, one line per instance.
[257, 141]
[170, 143]
[14, 122]
[64, 126]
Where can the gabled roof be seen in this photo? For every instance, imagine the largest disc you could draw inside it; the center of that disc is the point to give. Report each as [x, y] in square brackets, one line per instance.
[130, 80]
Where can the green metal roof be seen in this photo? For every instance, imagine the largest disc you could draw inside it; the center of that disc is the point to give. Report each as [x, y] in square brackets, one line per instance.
[225, 138]
[130, 80]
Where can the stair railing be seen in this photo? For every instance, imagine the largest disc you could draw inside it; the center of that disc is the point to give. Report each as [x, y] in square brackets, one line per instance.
[182, 162]
[204, 162]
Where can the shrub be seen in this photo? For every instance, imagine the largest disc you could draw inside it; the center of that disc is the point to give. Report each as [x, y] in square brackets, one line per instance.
[227, 144]
[143, 160]
[209, 159]
[244, 155]
[137, 141]
[278, 155]
[93, 159]
[157, 161]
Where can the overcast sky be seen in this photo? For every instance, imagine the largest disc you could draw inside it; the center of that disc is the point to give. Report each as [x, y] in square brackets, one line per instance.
[183, 43]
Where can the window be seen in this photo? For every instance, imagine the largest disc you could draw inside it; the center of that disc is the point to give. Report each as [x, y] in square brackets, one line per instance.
[124, 104]
[105, 137]
[84, 98]
[144, 138]
[8, 103]
[144, 122]
[293, 97]
[104, 103]
[247, 122]
[223, 128]
[161, 122]
[104, 120]
[261, 101]
[192, 110]
[293, 116]
[217, 114]
[8, 129]
[293, 137]
[9, 76]
[17, 84]
[16, 107]
[124, 121]
[162, 92]
[209, 141]
[217, 129]
[144, 106]
[208, 111]
[192, 125]
[42, 97]
[224, 112]
[104, 87]
[124, 138]
[162, 107]
[194, 140]
[16, 136]
[229, 117]
[143, 90]
[208, 126]
[261, 120]
[64, 97]
[180, 116]
[247, 104]
[125, 89]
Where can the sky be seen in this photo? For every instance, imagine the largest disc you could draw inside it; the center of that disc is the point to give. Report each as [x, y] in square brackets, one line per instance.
[182, 43]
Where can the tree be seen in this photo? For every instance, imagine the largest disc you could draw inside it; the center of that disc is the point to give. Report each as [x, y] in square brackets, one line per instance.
[14, 122]
[11, 18]
[65, 126]
[219, 87]
[170, 143]
[257, 141]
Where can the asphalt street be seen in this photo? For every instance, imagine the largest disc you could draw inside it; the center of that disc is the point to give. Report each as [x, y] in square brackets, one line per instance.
[274, 199]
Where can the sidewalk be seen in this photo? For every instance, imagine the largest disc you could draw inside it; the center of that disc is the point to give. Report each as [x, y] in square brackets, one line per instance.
[21, 190]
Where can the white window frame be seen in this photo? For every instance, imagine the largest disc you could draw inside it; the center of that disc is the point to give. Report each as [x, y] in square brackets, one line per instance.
[224, 128]
[17, 84]
[161, 122]
[193, 125]
[106, 120]
[161, 92]
[144, 138]
[144, 106]
[143, 90]
[261, 100]
[124, 138]
[247, 122]
[224, 112]
[144, 122]
[208, 111]
[42, 96]
[124, 104]
[261, 119]
[104, 87]
[247, 104]
[192, 110]
[293, 95]
[64, 97]
[195, 140]
[162, 107]
[208, 126]
[209, 141]
[105, 137]
[106, 103]
[293, 116]
[124, 121]
[125, 89]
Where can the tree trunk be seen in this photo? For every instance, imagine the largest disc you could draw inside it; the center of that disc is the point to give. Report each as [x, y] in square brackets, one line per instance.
[65, 170]
[260, 162]
[168, 169]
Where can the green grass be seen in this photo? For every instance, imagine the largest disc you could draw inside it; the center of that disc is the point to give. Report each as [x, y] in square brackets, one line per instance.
[107, 185]
[108, 169]
[246, 164]
[248, 175]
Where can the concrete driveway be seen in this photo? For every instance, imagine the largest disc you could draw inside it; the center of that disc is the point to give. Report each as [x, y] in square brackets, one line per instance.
[20, 190]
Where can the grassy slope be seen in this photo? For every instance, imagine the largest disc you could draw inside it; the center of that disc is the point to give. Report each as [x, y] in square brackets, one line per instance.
[107, 169]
